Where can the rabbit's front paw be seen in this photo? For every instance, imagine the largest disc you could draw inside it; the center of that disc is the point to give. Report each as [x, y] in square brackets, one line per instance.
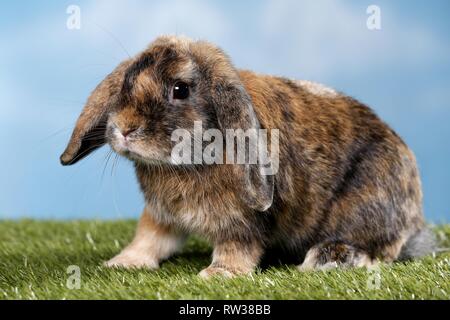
[130, 260]
[216, 272]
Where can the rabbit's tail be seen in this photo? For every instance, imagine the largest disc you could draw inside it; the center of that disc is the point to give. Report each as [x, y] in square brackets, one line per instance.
[420, 244]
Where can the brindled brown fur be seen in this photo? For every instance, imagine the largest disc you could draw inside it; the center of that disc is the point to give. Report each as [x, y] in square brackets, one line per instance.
[347, 193]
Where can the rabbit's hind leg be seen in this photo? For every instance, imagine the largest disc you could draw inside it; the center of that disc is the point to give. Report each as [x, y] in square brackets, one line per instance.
[329, 255]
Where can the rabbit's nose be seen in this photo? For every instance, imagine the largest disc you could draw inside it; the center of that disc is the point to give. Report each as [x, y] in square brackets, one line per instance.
[125, 133]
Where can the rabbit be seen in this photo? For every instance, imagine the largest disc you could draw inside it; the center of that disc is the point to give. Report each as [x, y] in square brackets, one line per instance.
[347, 192]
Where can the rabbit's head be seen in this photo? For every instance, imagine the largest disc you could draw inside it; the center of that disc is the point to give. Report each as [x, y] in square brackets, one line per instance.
[169, 86]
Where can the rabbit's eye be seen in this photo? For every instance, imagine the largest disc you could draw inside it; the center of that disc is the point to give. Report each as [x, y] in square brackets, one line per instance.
[181, 90]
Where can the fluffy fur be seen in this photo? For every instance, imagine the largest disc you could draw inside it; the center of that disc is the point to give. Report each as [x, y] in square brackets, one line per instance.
[347, 192]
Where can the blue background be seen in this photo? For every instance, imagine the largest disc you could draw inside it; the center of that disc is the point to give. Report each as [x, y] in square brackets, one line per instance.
[48, 71]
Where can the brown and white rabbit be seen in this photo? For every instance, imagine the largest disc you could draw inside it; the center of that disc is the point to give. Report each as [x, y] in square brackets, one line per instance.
[347, 192]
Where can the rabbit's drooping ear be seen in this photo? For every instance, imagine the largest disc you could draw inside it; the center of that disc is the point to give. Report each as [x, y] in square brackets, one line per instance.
[89, 132]
[234, 110]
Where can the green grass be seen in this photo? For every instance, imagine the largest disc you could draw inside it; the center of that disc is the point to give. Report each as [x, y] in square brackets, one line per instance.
[34, 257]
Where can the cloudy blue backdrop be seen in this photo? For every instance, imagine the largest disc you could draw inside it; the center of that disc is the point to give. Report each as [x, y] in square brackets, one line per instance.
[47, 72]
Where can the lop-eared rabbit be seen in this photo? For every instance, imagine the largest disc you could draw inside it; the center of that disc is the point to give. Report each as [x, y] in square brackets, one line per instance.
[347, 191]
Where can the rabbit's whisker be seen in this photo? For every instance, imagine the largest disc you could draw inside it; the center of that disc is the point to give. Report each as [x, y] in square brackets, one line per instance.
[107, 158]
[55, 134]
[117, 41]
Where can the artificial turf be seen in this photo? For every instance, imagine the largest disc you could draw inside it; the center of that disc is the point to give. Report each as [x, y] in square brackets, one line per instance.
[35, 260]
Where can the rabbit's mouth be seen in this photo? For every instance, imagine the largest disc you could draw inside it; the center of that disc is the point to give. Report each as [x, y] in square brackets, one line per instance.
[132, 144]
